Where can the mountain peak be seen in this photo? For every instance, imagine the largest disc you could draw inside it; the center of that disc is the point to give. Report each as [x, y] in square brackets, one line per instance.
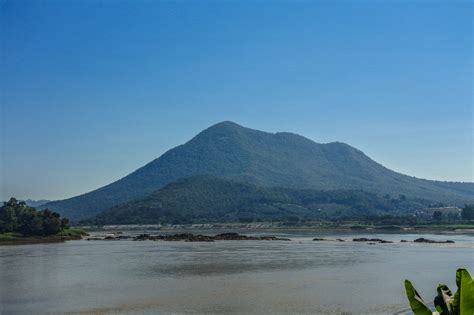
[225, 124]
[230, 151]
[226, 129]
[228, 123]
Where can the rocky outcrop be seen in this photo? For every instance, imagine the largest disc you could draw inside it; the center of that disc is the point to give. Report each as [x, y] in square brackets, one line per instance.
[424, 240]
[239, 237]
[188, 237]
[109, 237]
[373, 240]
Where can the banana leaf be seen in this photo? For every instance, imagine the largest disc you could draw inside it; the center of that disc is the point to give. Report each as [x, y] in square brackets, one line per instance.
[417, 304]
[443, 301]
[463, 302]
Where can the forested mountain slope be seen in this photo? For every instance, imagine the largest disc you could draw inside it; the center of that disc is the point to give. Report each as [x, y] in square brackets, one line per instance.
[228, 150]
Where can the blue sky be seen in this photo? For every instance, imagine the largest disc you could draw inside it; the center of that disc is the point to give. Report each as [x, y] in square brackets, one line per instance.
[92, 90]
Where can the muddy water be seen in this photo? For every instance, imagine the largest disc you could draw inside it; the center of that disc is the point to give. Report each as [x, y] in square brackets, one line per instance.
[235, 277]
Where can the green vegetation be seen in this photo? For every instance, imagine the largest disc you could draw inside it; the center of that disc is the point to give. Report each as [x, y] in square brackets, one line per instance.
[17, 217]
[468, 212]
[72, 233]
[9, 236]
[437, 216]
[229, 151]
[17, 238]
[445, 226]
[202, 199]
[20, 223]
[461, 303]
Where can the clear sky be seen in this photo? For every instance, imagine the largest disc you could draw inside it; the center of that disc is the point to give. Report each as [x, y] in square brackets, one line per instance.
[92, 90]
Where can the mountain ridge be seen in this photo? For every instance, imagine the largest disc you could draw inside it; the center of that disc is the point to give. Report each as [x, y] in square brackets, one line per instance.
[283, 159]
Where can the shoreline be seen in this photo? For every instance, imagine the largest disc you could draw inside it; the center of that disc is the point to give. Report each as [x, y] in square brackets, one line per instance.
[279, 228]
[232, 227]
[37, 240]
[68, 234]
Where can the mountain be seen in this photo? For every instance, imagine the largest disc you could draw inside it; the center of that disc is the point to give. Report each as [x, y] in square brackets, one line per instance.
[228, 150]
[204, 198]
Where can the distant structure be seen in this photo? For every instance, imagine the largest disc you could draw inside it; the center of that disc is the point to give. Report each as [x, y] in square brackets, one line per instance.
[427, 213]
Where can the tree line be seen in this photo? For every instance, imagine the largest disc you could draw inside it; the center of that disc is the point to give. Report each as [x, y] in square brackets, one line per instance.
[16, 216]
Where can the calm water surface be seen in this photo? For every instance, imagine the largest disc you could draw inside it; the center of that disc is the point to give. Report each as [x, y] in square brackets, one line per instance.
[237, 277]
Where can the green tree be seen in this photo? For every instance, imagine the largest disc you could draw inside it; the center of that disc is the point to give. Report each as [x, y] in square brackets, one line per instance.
[64, 223]
[438, 216]
[8, 217]
[453, 217]
[16, 216]
[467, 212]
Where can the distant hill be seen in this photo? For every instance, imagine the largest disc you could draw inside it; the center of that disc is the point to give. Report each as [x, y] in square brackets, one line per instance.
[36, 203]
[200, 199]
[230, 151]
[32, 203]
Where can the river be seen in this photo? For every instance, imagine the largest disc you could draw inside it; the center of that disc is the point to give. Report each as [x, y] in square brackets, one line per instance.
[300, 276]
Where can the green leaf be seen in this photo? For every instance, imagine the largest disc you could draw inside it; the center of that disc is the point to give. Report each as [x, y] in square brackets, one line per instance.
[463, 303]
[417, 304]
[444, 300]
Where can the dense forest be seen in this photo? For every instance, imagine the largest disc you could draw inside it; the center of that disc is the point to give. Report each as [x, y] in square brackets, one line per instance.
[202, 199]
[16, 216]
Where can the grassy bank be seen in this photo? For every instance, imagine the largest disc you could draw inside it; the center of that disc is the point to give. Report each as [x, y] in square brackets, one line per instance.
[73, 233]
[444, 227]
[19, 239]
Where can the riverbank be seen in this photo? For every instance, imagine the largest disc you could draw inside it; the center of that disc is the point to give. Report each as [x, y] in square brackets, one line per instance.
[353, 227]
[267, 227]
[189, 237]
[19, 239]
